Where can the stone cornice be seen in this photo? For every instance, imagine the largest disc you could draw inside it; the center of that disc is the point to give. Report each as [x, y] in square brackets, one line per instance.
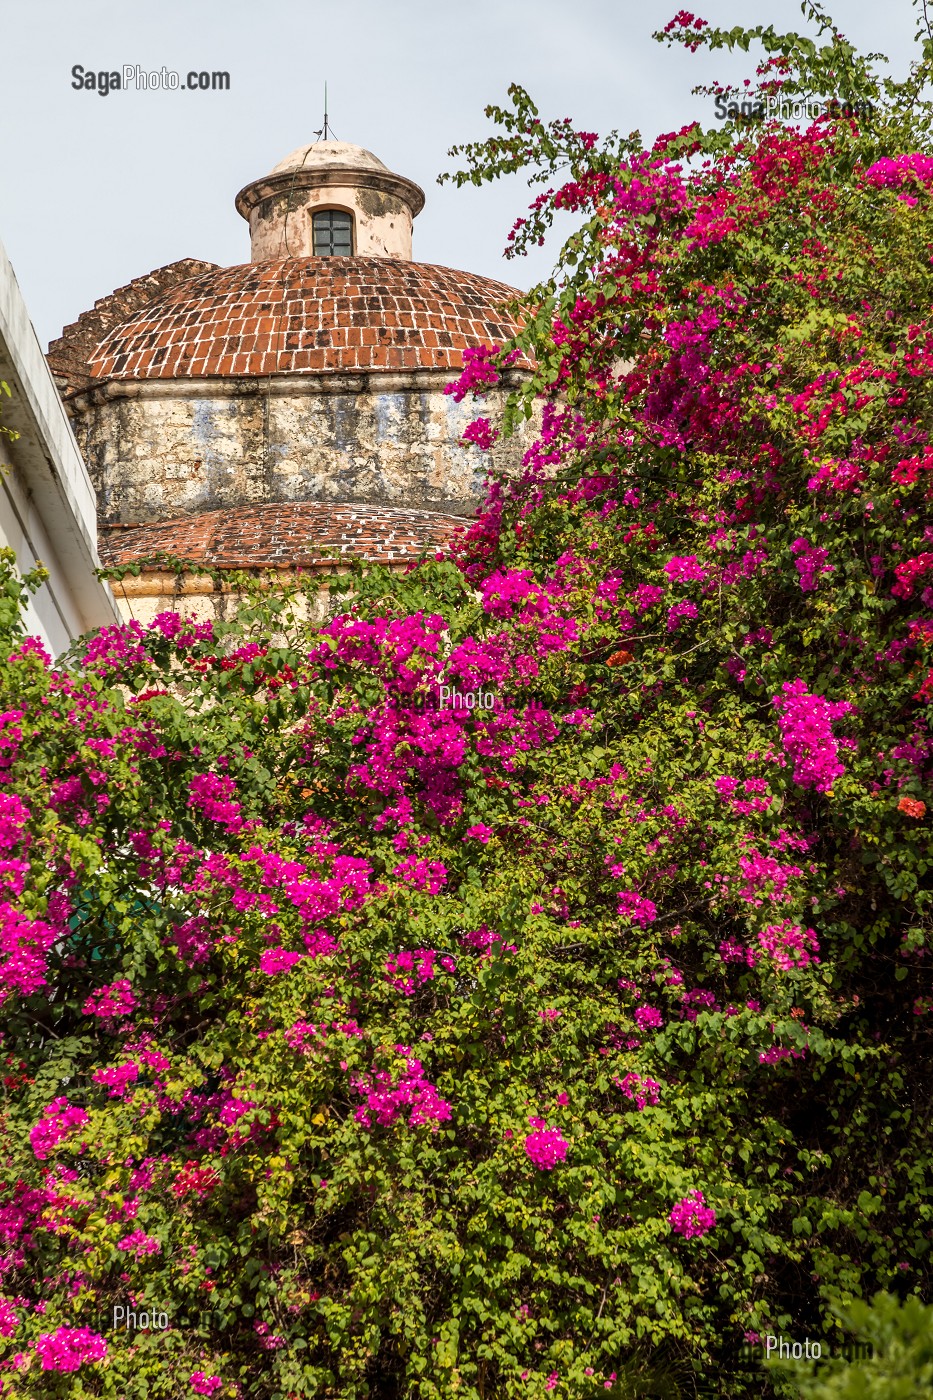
[274, 386]
[339, 176]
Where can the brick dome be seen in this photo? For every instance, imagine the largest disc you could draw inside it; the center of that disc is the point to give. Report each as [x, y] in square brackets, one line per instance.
[298, 534]
[308, 315]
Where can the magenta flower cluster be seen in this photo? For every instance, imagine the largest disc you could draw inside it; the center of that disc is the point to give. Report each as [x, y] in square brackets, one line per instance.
[806, 733]
[139, 1243]
[892, 172]
[810, 563]
[24, 940]
[386, 1098]
[636, 908]
[684, 611]
[691, 1216]
[544, 1146]
[69, 1348]
[685, 568]
[116, 999]
[479, 374]
[9, 1317]
[117, 1078]
[60, 1119]
[212, 794]
[275, 960]
[788, 945]
[648, 1018]
[480, 433]
[407, 970]
[203, 1384]
[641, 1088]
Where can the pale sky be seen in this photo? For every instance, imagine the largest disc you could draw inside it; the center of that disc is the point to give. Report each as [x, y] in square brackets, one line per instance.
[97, 190]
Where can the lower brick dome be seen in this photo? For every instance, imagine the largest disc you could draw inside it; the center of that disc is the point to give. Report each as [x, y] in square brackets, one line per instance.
[295, 535]
[309, 316]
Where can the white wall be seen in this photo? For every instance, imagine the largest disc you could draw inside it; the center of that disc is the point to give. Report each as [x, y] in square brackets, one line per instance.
[47, 504]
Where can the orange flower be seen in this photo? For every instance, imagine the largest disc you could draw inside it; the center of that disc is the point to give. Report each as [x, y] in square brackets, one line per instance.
[911, 807]
[619, 658]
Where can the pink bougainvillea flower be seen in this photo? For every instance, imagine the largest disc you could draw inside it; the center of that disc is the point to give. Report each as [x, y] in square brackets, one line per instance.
[387, 1098]
[480, 433]
[139, 1243]
[806, 733]
[545, 1146]
[406, 971]
[9, 1318]
[14, 815]
[211, 793]
[647, 596]
[203, 1384]
[641, 1088]
[479, 832]
[478, 375]
[636, 908]
[810, 563]
[892, 172]
[789, 945]
[117, 999]
[691, 1217]
[60, 1119]
[69, 1348]
[684, 568]
[684, 611]
[275, 960]
[117, 1078]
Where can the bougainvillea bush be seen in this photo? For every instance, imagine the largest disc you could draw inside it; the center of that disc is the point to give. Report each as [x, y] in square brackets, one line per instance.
[361, 1044]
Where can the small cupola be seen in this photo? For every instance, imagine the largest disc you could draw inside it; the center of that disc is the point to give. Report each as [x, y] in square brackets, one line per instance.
[330, 199]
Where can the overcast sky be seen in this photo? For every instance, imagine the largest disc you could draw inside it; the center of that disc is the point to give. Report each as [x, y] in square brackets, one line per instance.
[97, 190]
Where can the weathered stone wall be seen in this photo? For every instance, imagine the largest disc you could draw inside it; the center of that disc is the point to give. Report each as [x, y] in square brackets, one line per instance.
[159, 449]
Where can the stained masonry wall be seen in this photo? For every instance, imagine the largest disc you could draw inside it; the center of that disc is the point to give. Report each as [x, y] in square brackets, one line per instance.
[156, 450]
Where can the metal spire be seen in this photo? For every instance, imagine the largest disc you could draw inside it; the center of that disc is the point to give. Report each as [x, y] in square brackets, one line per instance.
[325, 132]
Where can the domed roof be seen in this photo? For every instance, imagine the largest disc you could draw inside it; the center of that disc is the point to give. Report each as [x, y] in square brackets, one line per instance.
[296, 534]
[309, 316]
[339, 154]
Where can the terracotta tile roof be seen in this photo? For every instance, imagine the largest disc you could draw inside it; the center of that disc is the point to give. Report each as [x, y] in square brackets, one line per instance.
[282, 536]
[68, 355]
[308, 316]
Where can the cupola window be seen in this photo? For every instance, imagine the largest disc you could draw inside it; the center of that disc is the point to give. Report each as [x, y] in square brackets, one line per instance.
[333, 233]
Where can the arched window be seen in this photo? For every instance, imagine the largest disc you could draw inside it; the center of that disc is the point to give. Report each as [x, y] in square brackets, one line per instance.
[333, 233]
